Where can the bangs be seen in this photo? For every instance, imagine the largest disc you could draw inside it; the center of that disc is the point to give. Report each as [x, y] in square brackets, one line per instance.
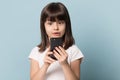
[55, 12]
[56, 16]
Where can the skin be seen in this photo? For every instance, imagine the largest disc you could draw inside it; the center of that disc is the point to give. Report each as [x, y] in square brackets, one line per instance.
[55, 29]
[71, 72]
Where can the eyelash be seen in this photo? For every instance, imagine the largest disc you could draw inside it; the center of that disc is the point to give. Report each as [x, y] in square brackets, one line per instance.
[60, 22]
[50, 23]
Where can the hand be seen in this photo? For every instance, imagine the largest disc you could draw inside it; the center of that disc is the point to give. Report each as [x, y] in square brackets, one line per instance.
[61, 55]
[47, 59]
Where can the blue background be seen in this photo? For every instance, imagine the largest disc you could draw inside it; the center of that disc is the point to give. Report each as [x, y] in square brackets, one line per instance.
[95, 25]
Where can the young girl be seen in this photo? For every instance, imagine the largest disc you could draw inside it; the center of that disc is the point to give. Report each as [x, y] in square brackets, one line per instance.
[55, 23]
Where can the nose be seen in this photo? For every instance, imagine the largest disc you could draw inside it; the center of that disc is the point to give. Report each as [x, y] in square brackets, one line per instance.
[56, 27]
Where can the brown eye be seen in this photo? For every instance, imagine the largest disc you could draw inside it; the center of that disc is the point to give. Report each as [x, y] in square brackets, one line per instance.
[61, 22]
[49, 23]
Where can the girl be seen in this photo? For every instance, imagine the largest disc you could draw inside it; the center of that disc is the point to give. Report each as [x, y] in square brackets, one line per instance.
[55, 23]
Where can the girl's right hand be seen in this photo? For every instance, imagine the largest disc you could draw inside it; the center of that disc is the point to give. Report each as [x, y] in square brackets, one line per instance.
[47, 59]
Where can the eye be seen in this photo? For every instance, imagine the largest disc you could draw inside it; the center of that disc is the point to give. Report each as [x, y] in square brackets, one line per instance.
[49, 23]
[61, 22]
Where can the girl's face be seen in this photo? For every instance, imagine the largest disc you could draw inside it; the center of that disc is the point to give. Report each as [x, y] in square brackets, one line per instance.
[55, 29]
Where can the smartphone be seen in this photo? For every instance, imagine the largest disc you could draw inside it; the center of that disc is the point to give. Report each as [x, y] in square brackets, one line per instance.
[55, 42]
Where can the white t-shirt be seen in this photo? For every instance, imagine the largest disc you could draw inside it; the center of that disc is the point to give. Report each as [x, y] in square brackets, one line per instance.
[55, 71]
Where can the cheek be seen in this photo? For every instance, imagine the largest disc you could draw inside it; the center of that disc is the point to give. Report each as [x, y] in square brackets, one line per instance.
[63, 31]
[47, 28]
[48, 31]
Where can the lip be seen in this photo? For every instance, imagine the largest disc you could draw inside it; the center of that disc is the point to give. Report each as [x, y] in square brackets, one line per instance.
[56, 33]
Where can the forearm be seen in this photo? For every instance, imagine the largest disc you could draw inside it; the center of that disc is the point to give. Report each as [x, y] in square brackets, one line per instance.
[69, 74]
[40, 74]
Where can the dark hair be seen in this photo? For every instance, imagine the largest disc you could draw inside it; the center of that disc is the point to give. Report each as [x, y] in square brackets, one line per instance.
[53, 11]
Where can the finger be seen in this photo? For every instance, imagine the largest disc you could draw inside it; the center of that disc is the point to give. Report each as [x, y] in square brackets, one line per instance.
[56, 54]
[48, 53]
[62, 50]
[58, 50]
[48, 49]
[49, 60]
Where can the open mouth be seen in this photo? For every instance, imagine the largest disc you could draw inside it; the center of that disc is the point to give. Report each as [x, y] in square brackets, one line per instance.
[56, 34]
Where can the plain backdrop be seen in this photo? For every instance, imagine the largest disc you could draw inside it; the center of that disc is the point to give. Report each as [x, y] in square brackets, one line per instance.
[95, 26]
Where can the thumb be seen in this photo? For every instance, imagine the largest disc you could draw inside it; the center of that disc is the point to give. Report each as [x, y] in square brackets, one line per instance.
[48, 49]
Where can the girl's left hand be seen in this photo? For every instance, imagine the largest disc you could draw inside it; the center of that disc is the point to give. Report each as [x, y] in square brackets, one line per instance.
[61, 55]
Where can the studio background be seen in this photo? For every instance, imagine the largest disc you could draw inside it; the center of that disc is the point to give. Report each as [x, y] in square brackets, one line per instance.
[95, 26]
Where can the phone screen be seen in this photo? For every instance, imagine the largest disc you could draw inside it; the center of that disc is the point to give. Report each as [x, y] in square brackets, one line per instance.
[55, 42]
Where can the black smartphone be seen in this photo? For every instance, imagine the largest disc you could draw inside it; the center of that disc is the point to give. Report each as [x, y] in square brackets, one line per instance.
[55, 42]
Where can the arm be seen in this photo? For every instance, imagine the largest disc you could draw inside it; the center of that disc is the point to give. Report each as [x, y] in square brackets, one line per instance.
[39, 73]
[72, 72]
[75, 66]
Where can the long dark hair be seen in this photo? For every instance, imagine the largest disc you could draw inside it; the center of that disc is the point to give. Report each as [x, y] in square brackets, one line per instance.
[53, 11]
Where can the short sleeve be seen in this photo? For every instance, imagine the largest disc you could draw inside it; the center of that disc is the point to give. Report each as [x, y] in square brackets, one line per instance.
[76, 53]
[34, 54]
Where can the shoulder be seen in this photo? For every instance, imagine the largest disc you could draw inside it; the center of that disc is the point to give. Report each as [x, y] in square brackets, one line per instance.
[35, 49]
[34, 53]
[74, 52]
[73, 48]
